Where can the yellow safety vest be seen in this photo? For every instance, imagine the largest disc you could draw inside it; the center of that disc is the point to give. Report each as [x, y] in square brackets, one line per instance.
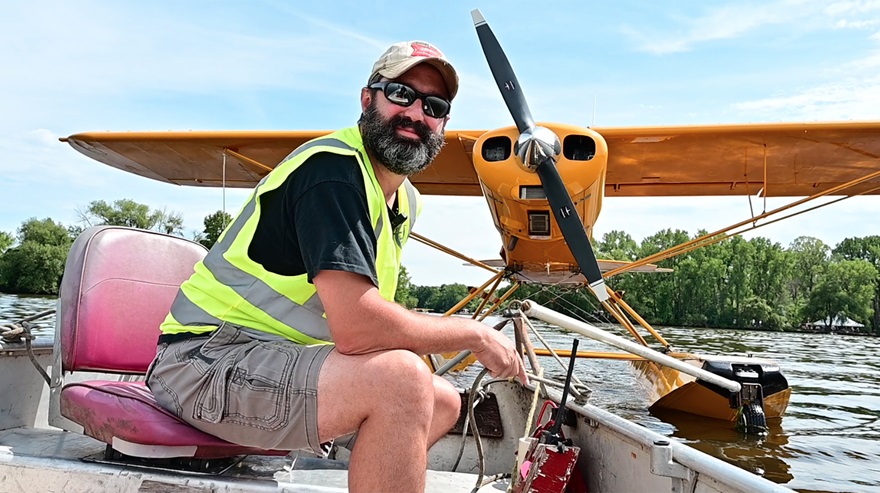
[228, 286]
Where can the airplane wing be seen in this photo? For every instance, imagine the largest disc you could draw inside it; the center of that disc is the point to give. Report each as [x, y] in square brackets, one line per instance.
[196, 158]
[782, 159]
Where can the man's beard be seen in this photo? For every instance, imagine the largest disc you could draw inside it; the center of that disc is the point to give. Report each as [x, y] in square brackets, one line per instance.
[400, 155]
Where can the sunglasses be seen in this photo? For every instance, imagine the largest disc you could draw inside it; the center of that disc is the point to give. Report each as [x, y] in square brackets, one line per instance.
[404, 95]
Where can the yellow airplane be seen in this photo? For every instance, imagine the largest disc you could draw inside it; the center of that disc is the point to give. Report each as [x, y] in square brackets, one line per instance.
[530, 173]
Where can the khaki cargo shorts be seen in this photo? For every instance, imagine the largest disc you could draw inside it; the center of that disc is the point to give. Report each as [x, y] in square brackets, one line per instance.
[243, 390]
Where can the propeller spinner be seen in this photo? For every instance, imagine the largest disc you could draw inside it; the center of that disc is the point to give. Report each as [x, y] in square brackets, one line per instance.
[538, 148]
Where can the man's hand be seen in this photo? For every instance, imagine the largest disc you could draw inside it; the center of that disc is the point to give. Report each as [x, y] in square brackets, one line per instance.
[361, 322]
[498, 354]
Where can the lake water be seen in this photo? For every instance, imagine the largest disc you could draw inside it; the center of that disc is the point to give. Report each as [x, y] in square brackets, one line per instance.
[828, 441]
[14, 308]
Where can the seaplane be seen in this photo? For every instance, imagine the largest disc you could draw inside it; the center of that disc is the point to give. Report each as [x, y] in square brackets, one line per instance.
[84, 421]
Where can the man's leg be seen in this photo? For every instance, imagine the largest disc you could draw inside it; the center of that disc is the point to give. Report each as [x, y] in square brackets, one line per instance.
[398, 409]
[249, 392]
[447, 405]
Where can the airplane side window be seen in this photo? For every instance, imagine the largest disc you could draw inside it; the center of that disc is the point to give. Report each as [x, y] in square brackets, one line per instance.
[579, 148]
[497, 149]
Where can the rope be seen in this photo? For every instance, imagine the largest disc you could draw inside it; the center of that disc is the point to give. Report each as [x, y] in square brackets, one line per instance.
[536, 396]
[476, 432]
[31, 318]
[477, 389]
[464, 429]
[21, 331]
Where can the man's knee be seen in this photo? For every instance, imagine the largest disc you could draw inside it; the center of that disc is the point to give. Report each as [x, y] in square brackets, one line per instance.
[406, 379]
[404, 368]
[447, 402]
[393, 387]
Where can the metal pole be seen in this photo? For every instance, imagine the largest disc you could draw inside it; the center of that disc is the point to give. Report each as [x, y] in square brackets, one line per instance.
[533, 309]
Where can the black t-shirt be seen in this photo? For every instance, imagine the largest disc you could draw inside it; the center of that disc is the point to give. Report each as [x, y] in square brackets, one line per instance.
[317, 220]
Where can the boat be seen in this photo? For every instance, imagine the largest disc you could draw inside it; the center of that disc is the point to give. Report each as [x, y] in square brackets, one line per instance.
[91, 425]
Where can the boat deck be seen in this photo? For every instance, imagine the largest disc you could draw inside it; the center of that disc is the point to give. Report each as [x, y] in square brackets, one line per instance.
[57, 460]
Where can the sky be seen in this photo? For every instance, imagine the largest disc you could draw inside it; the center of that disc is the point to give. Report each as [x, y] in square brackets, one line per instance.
[70, 67]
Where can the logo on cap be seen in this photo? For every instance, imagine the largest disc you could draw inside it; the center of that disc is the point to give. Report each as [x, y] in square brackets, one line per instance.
[420, 49]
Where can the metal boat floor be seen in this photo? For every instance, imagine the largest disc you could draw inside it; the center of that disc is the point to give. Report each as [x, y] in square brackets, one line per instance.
[37, 459]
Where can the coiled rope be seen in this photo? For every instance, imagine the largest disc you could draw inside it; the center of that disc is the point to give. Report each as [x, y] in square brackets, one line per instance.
[21, 331]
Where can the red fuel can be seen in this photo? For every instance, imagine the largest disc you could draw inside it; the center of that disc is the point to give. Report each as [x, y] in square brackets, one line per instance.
[546, 468]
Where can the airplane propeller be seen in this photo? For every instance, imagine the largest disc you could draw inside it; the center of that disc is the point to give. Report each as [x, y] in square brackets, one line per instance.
[538, 147]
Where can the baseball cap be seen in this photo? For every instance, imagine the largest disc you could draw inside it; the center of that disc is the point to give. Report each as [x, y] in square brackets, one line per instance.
[405, 55]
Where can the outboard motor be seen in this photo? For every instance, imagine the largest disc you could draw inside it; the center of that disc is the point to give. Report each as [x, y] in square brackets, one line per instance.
[759, 378]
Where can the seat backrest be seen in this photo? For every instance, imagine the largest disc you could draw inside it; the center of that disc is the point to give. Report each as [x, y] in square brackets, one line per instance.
[117, 288]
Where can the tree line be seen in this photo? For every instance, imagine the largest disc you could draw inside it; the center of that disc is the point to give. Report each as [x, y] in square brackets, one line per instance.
[735, 283]
[32, 260]
[739, 283]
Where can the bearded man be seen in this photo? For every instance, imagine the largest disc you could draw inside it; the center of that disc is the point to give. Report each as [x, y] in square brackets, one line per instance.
[287, 335]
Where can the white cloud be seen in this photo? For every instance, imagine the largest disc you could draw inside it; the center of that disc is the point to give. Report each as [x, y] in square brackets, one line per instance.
[109, 54]
[853, 93]
[851, 7]
[737, 19]
[847, 24]
[40, 156]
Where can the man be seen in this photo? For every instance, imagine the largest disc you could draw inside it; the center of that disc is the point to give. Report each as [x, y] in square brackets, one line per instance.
[287, 336]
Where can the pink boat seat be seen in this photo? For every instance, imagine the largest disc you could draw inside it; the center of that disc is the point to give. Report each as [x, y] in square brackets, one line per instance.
[126, 416]
[117, 288]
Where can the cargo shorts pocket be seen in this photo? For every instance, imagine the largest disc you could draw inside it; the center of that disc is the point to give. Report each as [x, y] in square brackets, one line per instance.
[250, 386]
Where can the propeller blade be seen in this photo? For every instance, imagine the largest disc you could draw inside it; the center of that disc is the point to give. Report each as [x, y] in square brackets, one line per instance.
[503, 73]
[538, 148]
[572, 226]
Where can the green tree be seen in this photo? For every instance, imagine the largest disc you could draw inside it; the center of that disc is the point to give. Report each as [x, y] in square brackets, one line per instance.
[736, 255]
[446, 296]
[404, 294]
[35, 266]
[45, 232]
[214, 225]
[810, 256]
[845, 290]
[616, 245]
[758, 313]
[6, 241]
[32, 268]
[666, 301]
[126, 212]
[75, 231]
[770, 271]
[170, 223]
[868, 249]
[699, 274]
[422, 295]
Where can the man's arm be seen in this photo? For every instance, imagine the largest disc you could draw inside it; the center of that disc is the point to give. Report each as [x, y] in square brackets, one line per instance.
[361, 321]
